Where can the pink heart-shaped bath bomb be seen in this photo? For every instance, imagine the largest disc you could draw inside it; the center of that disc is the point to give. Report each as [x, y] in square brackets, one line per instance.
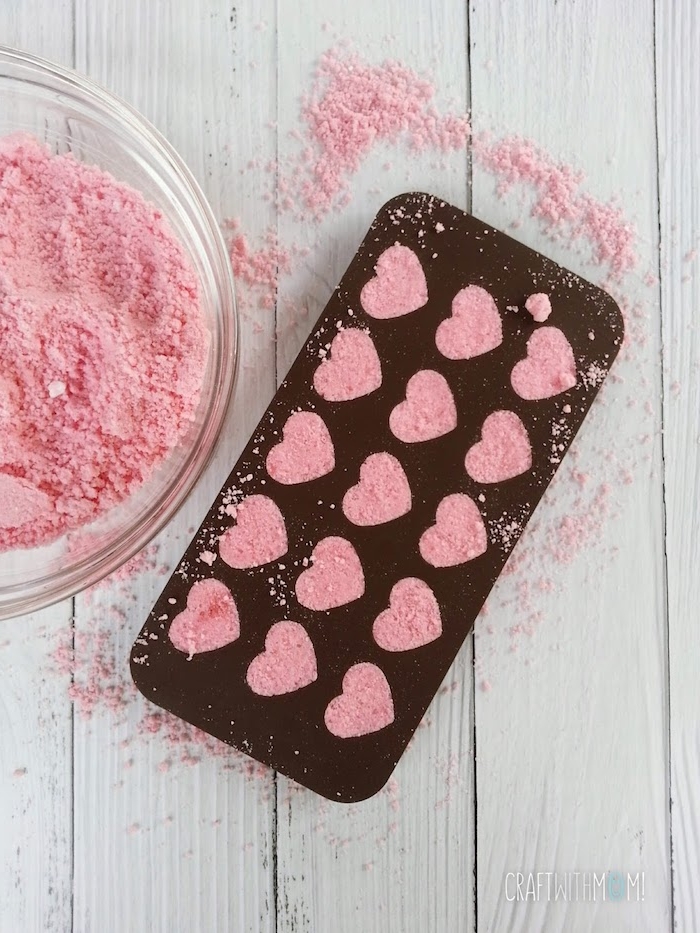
[398, 288]
[474, 328]
[364, 706]
[334, 578]
[352, 368]
[288, 662]
[305, 452]
[458, 535]
[382, 494]
[549, 367]
[412, 619]
[428, 412]
[258, 537]
[503, 452]
[209, 621]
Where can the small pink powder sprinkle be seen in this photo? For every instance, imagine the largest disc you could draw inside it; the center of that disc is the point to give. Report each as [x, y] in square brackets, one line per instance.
[210, 620]
[288, 662]
[364, 706]
[412, 619]
[428, 412]
[352, 369]
[458, 535]
[258, 537]
[334, 578]
[99, 303]
[398, 288]
[549, 367]
[539, 306]
[382, 494]
[305, 453]
[207, 557]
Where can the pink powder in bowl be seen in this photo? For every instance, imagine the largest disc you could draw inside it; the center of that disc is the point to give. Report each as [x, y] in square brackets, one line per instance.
[103, 342]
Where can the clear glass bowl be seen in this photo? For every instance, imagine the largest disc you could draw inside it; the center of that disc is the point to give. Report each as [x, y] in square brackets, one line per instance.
[71, 114]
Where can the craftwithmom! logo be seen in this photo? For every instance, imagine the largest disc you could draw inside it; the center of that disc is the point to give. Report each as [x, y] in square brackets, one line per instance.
[574, 886]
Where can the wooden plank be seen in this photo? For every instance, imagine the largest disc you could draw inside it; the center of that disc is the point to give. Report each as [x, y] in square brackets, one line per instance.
[402, 861]
[185, 846]
[571, 742]
[678, 83]
[35, 712]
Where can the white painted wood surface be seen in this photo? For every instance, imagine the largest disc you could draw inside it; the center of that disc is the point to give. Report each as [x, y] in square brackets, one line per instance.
[569, 761]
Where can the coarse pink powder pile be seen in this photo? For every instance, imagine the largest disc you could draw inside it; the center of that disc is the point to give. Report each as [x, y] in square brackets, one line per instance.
[103, 342]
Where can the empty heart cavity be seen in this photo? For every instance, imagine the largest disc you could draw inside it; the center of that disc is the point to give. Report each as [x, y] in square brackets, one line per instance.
[429, 409]
[209, 621]
[305, 451]
[412, 619]
[458, 535]
[364, 706]
[549, 367]
[334, 578]
[382, 494]
[288, 662]
[474, 328]
[258, 537]
[399, 286]
[503, 452]
[352, 368]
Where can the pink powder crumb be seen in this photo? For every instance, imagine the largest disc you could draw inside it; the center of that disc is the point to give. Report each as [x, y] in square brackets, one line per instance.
[539, 306]
[259, 269]
[209, 621]
[398, 288]
[288, 662]
[503, 452]
[458, 535]
[305, 452]
[412, 619]
[382, 494]
[364, 706]
[352, 369]
[428, 412]
[549, 367]
[103, 341]
[334, 578]
[258, 537]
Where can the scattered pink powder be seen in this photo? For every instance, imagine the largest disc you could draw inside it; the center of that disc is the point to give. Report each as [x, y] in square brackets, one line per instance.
[259, 269]
[539, 306]
[549, 367]
[353, 107]
[398, 288]
[334, 578]
[474, 328]
[458, 535]
[364, 706]
[305, 453]
[382, 494]
[102, 342]
[351, 370]
[503, 452]
[412, 619]
[560, 204]
[210, 620]
[428, 412]
[288, 662]
[258, 537]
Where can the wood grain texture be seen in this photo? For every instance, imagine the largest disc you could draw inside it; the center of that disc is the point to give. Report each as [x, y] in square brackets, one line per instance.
[35, 712]
[402, 861]
[678, 36]
[190, 847]
[571, 742]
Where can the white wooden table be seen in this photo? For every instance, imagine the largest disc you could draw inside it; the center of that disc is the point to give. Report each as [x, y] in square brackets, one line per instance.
[569, 762]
